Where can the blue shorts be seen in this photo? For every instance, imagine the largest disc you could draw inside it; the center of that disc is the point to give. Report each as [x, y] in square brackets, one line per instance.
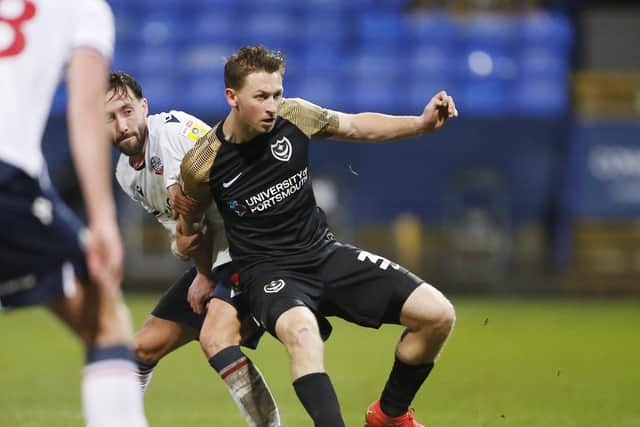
[173, 305]
[40, 247]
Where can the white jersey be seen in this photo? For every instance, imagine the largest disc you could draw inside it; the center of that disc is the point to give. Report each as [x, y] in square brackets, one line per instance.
[171, 135]
[37, 38]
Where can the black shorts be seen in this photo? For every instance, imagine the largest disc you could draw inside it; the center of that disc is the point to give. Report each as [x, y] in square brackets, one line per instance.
[41, 251]
[173, 305]
[353, 284]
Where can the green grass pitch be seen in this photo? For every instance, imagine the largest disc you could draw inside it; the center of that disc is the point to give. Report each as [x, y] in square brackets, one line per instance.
[510, 362]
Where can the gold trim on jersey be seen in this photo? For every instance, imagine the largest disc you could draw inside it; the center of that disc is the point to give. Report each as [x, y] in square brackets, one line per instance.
[310, 118]
[196, 167]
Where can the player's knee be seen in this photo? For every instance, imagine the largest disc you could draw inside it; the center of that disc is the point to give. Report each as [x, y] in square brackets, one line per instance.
[213, 343]
[434, 312]
[446, 316]
[146, 348]
[299, 330]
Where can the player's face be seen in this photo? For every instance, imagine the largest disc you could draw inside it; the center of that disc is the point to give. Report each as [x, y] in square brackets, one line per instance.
[127, 122]
[258, 100]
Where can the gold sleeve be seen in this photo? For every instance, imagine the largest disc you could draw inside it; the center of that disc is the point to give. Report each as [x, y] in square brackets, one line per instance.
[196, 166]
[310, 118]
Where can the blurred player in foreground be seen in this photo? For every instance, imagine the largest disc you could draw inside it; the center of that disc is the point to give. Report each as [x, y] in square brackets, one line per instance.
[152, 147]
[254, 165]
[45, 255]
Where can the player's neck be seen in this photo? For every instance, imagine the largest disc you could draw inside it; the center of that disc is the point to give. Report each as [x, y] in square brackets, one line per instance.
[136, 160]
[235, 131]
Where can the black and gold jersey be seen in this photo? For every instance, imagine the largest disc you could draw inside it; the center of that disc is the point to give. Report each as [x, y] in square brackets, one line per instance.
[262, 188]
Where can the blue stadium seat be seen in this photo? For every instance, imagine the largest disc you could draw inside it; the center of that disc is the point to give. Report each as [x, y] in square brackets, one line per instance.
[383, 93]
[432, 29]
[204, 60]
[158, 88]
[325, 91]
[543, 62]
[433, 59]
[542, 97]
[290, 8]
[322, 61]
[163, 61]
[420, 89]
[381, 61]
[274, 30]
[323, 31]
[203, 96]
[488, 97]
[490, 30]
[380, 29]
[545, 29]
[217, 26]
[161, 28]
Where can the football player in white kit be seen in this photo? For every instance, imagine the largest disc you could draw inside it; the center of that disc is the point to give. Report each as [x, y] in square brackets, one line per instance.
[46, 257]
[148, 170]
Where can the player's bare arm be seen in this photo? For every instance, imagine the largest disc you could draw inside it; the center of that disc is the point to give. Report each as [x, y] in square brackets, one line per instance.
[104, 249]
[377, 127]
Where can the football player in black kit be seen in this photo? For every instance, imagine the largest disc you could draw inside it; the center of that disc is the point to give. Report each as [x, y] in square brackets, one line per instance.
[254, 165]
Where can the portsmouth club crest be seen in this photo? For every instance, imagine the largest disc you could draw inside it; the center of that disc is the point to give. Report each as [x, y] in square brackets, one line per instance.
[281, 149]
[156, 165]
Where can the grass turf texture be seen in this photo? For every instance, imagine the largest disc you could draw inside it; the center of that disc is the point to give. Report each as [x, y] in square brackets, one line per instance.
[510, 362]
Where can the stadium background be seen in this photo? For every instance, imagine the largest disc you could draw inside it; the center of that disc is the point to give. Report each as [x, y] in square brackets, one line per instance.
[536, 187]
[517, 210]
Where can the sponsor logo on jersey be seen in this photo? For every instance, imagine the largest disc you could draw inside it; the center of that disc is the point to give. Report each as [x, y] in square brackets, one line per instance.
[237, 207]
[277, 193]
[195, 131]
[274, 287]
[227, 184]
[281, 149]
[156, 165]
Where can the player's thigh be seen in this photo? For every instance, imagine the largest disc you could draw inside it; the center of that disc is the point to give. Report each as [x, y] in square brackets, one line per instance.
[270, 293]
[159, 337]
[221, 327]
[365, 288]
[228, 320]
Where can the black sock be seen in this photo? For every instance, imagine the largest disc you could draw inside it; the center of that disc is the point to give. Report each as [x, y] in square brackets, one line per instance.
[403, 384]
[318, 397]
[145, 367]
[226, 357]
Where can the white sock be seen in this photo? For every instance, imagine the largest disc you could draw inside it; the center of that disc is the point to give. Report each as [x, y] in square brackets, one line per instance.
[111, 395]
[247, 387]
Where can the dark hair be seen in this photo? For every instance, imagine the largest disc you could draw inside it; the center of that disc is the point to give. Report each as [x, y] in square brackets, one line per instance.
[249, 59]
[120, 81]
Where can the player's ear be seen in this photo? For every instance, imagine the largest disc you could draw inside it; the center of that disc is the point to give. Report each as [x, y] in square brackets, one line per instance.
[145, 106]
[232, 98]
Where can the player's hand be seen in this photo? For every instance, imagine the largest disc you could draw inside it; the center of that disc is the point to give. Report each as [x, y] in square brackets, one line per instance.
[190, 245]
[105, 253]
[200, 292]
[181, 204]
[438, 111]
